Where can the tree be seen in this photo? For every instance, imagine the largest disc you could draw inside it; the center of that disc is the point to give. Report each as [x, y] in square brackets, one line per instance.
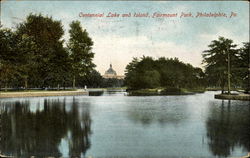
[131, 77]
[139, 74]
[26, 58]
[80, 46]
[172, 71]
[60, 67]
[219, 60]
[151, 79]
[92, 79]
[46, 34]
[168, 73]
[8, 67]
[34, 54]
[244, 64]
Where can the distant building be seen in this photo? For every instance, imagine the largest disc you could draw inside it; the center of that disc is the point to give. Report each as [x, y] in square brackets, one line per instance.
[111, 73]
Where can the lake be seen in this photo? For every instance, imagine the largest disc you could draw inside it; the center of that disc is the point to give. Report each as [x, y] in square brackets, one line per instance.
[116, 125]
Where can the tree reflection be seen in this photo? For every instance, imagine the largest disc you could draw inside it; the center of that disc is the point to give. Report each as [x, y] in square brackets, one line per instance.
[161, 113]
[228, 126]
[26, 133]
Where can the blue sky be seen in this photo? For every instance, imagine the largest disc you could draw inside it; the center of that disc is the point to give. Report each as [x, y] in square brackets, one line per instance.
[118, 40]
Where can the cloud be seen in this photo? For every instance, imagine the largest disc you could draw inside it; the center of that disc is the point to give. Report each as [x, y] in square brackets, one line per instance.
[221, 31]
[120, 50]
[118, 40]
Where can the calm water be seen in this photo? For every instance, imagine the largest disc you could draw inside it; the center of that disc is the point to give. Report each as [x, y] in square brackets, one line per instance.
[114, 125]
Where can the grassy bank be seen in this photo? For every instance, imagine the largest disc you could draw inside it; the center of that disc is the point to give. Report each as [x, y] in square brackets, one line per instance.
[36, 90]
[42, 93]
[219, 89]
[165, 91]
[245, 97]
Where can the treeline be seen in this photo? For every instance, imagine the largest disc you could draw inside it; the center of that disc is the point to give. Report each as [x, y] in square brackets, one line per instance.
[163, 72]
[34, 54]
[95, 80]
[226, 66]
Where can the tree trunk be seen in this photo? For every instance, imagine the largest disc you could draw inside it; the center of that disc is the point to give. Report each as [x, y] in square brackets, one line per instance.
[58, 87]
[228, 72]
[64, 85]
[222, 90]
[26, 83]
[5, 87]
[74, 82]
[222, 85]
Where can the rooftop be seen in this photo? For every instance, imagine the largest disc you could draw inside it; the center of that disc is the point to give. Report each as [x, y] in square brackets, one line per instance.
[110, 71]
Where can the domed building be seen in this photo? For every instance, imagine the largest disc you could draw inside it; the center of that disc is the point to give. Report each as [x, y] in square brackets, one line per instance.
[111, 73]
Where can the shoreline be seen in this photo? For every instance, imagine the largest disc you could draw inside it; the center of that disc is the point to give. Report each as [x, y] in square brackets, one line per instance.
[243, 97]
[164, 92]
[43, 94]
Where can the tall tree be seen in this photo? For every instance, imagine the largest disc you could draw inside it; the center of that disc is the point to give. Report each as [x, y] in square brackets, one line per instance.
[80, 46]
[46, 34]
[219, 60]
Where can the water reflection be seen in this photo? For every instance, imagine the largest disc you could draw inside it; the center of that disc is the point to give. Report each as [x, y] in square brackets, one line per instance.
[158, 126]
[228, 126]
[26, 132]
[165, 111]
[96, 93]
[107, 93]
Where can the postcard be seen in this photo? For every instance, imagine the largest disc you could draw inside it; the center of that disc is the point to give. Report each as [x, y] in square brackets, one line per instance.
[134, 79]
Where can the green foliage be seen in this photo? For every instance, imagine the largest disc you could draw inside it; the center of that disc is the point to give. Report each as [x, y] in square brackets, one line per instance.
[150, 79]
[112, 82]
[45, 30]
[33, 55]
[47, 52]
[216, 60]
[132, 76]
[80, 47]
[150, 73]
[93, 79]
[244, 66]
[8, 57]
